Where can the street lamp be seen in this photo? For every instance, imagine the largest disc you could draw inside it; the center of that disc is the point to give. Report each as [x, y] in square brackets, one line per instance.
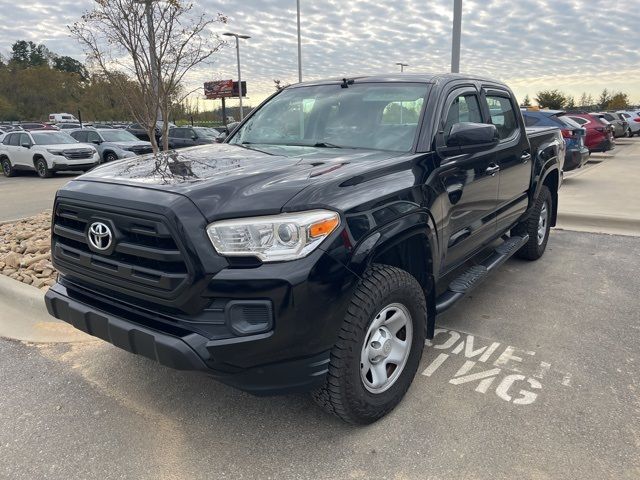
[402, 65]
[299, 46]
[238, 37]
[457, 32]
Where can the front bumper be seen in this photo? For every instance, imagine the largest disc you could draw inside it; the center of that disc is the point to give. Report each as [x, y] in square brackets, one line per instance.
[182, 349]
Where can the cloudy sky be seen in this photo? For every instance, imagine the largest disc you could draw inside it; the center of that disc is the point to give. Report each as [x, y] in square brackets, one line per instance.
[572, 45]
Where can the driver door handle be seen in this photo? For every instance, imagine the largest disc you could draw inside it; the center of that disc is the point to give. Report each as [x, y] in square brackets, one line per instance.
[525, 157]
[492, 169]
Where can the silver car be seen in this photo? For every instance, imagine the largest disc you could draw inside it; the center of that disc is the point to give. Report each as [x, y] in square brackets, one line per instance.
[113, 144]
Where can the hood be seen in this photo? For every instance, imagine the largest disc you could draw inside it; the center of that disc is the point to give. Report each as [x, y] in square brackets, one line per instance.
[226, 180]
[69, 146]
[130, 143]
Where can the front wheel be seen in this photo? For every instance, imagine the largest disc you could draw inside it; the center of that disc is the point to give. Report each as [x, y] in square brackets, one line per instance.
[537, 226]
[629, 133]
[379, 347]
[42, 168]
[110, 157]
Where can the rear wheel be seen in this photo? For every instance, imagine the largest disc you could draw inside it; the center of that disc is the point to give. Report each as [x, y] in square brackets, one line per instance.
[7, 168]
[379, 347]
[42, 168]
[537, 226]
[110, 157]
[629, 132]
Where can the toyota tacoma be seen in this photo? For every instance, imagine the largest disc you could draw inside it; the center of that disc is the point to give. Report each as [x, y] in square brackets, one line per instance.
[314, 248]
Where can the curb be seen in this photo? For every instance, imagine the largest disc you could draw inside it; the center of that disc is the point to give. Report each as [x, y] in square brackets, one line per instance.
[24, 317]
[596, 223]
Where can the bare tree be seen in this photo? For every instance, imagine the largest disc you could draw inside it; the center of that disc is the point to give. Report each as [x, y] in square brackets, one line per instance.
[147, 47]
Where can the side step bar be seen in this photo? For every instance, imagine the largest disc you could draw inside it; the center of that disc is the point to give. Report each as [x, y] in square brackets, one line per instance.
[470, 279]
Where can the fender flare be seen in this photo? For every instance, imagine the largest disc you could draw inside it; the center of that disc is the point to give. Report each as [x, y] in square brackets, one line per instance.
[414, 226]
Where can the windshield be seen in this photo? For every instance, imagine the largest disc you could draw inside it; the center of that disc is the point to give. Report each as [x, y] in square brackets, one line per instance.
[378, 116]
[206, 132]
[52, 138]
[118, 136]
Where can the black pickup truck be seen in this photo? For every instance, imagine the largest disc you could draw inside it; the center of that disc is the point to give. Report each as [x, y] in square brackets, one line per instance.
[313, 249]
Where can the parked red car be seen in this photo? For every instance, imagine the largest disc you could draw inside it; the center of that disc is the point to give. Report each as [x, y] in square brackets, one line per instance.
[599, 134]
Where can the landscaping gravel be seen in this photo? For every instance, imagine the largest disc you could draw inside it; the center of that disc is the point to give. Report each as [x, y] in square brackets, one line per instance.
[25, 251]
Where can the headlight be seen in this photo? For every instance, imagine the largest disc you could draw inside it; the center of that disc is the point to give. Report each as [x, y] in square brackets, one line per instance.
[273, 238]
[54, 152]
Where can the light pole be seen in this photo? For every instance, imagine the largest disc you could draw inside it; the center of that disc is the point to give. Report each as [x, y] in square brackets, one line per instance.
[402, 65]
[299, 45]
[238, 37]
[457, 31]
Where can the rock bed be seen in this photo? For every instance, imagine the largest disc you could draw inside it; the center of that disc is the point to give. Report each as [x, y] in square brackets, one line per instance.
[25, 251]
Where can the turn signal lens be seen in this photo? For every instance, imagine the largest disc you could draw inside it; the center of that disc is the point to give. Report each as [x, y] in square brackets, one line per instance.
[323, 228]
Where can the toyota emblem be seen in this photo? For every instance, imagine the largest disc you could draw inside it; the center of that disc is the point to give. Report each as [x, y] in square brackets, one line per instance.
[100, 236]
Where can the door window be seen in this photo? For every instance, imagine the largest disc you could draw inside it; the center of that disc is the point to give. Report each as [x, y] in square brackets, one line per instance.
[80, 136]
[176, 133]
[464, 108]
[24, 138]
[93, 137]
[503, 116]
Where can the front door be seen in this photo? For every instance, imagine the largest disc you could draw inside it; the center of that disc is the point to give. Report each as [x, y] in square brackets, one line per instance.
[470, 182]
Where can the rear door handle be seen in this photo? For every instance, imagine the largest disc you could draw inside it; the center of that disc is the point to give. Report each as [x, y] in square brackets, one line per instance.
[525, 157]
[492, 169]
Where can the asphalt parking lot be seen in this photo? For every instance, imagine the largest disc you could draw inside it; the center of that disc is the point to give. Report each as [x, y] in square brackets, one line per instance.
[535, 375]
[28, 194]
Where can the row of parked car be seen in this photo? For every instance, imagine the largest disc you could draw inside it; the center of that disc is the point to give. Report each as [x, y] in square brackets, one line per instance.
[47, 150]
[585, 132]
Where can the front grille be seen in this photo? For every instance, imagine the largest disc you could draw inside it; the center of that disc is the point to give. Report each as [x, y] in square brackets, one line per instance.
[78, 154]
[145, 258]
[141, 150]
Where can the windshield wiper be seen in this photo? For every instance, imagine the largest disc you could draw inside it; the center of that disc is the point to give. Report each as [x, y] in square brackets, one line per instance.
[326, 145]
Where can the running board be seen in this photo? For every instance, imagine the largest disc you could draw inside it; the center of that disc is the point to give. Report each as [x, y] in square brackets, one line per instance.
[470, 279]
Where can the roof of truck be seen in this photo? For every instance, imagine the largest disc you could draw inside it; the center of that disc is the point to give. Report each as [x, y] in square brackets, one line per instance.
[402, 77]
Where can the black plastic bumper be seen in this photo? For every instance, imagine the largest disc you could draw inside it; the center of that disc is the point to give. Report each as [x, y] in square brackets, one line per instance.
[185, 352]
[63, 167]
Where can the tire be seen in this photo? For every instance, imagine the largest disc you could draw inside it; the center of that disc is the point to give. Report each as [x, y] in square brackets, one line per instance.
[7, 168]
[350, 390]
[110, 157]
[537, 226]
[629, 133]
[42, 168]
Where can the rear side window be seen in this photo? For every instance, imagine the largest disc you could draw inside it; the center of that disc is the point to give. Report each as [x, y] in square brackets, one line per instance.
[502, 116]
[579, 120]
[530, 121]
[80, 136]
[465, 108]
[568, 122]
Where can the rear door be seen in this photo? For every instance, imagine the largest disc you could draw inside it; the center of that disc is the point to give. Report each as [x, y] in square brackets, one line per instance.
[470, 182]
[512, 156]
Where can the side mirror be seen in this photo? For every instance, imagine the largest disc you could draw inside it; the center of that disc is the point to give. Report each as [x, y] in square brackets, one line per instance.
[26, 144]
[194, 137]
[469, 137]
[97, 142]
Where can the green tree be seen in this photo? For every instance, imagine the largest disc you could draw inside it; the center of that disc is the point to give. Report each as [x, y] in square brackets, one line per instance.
[571, 104]
[526, 102]
[603, 100]
[618, 101]
[27, 54]
[553, 99]
[71, 65]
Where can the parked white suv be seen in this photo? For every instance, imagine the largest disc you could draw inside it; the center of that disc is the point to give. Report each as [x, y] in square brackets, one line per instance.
[45, 151]
[633, 119]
